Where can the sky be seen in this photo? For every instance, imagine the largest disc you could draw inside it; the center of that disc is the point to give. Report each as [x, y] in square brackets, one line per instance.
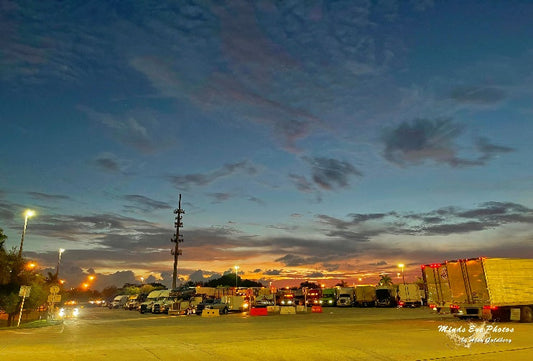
[310, 140]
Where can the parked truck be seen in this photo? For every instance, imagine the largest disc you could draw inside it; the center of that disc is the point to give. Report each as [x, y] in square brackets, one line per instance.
[313, 296]
[163, 302]
[437, 289]
[236, 303]
[496, 289]
[119, 301]
[328, 298]
[365, 296]
[345, 296]
[146, 306]
[386, 296]
[409, 295]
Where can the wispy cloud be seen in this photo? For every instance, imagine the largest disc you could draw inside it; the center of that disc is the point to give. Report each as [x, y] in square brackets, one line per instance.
[143, 203]
[203, 179]
[128, 129]
[329, 173]
[424, 139]
[48, 197]
[478, 95]
[108, 162]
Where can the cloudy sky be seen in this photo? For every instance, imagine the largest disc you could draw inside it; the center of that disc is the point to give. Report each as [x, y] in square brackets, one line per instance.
[319, 140]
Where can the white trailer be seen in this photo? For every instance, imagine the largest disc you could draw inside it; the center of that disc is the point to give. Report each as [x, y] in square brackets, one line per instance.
[492, 288]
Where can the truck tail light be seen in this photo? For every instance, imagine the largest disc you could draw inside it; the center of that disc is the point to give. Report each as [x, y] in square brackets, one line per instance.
[493, 308]
[454, 307]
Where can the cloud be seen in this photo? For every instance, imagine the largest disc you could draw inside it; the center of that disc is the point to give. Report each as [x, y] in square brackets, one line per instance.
[423, 139]
[108, 162]
[198, 179]
[139, 129]
[478, 95]
[272, 272]
[489, 151]
[443, 221]
[145, 204]
[48, 197]
[220, 197]
[302, 184]
[330, 173]
[256, 200]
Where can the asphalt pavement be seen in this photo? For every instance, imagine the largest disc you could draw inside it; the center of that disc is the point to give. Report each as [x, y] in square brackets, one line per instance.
[335, 334]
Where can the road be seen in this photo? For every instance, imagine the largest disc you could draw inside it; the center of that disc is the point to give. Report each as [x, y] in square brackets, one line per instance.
[335, 334]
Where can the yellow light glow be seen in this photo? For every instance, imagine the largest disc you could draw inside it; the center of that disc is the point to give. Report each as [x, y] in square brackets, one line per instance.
[29, 213]
[91, 278]
[401, 265]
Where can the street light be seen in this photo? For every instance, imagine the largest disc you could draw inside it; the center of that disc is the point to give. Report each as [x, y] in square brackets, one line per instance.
[236, 268]
[29, 213]
[401, 265]
[61, 250]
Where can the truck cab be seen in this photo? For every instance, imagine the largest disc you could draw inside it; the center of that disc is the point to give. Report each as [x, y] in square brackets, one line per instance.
[328, 298]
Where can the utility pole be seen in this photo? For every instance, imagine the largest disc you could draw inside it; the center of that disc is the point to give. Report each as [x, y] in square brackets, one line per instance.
[178, 238]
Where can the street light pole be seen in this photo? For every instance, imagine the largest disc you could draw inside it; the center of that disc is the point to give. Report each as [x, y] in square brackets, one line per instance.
[27, 214]
[401, 265]
[236, 268]
[61, 250]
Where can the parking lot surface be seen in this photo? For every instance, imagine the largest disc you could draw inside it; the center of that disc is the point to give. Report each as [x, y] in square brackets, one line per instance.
[334, 334]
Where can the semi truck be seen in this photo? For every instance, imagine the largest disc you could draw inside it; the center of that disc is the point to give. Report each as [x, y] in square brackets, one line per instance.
[146, 306]
[437, 288]
[494, 289]
[409, 295]
[365, 295]
[345, 296]
[328, 298]
[313, 296]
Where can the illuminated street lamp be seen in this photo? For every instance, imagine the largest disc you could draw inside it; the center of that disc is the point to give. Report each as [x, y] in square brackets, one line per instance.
[236, 268]
[401, 265]
[142, 280]
[61, 250]
[29, 213]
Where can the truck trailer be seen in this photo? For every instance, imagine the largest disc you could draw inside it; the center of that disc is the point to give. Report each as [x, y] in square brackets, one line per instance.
[386, 296]
[409, 295]
[365, 295]
[495, 289]
[437, 288]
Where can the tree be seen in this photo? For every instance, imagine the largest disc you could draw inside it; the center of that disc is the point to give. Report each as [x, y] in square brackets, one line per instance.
[309, 285]
[384, 280]
[342, 283]
[52, 278]
[13, 274]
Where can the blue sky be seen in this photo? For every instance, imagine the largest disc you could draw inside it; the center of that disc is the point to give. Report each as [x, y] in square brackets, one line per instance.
[319, 140]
